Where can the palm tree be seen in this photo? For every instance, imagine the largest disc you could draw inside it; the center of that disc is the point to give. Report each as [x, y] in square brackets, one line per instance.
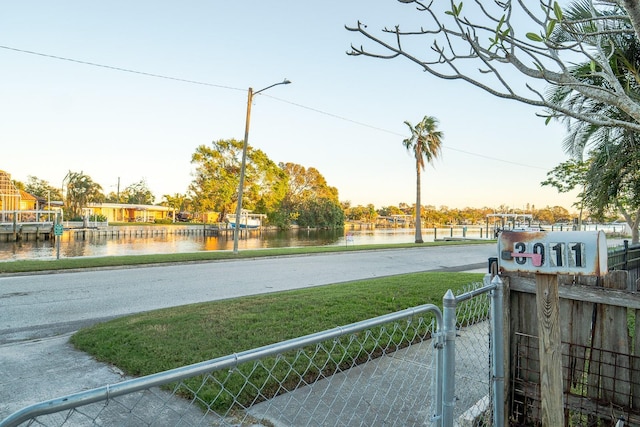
[425, 144]
[80, 191]
[611, 180]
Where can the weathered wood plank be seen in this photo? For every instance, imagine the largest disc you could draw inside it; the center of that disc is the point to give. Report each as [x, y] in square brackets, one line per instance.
[619, 298]
[550, 349]
[611, 324]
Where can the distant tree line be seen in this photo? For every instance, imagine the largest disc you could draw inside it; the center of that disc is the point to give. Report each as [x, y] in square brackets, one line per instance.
[443, 215]
[308, 202]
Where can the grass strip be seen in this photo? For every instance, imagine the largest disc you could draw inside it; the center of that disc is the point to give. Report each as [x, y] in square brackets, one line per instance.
[22, 266]
[156, 341]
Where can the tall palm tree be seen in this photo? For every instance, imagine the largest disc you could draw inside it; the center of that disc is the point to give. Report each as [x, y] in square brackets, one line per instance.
[425, 144]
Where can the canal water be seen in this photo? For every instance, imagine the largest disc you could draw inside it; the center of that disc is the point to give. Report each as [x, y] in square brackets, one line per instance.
[95, 246]
[175, 243]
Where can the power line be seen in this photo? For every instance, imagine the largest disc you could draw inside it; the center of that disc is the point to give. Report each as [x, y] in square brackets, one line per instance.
[126, 70]
[335, 116]
[315, 110]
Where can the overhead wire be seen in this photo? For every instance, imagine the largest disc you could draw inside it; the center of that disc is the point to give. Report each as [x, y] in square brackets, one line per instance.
[335, 116]
[126, 70]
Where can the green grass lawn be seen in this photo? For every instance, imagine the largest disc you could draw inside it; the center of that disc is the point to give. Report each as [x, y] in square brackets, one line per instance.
[164, 339]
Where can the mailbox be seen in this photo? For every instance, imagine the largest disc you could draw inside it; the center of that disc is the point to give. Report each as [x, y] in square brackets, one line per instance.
[553, 252]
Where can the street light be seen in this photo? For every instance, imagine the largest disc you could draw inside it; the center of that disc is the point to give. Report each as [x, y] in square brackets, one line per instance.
[236, 231]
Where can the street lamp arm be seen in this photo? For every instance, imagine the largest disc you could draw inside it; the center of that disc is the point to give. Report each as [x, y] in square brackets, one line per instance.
[284, 82]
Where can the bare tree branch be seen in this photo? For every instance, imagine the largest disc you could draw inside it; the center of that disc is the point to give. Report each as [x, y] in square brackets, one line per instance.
[484, 41]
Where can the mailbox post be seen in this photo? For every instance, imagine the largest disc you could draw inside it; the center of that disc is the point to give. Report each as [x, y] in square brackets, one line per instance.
[548, 254]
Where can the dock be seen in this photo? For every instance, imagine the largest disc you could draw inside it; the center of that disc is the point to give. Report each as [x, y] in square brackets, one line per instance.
[26, 231]
[30, 231]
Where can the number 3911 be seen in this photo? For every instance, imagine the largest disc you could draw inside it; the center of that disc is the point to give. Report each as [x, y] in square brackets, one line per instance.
[554, 254]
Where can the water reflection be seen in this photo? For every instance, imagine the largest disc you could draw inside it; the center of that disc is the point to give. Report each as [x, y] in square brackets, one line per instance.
[173, 243]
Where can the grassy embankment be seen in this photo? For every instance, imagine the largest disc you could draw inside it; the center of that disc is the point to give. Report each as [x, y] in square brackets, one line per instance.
[165, 339]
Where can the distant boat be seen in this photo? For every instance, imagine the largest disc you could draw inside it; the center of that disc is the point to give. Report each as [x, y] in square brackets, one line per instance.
[246, 221]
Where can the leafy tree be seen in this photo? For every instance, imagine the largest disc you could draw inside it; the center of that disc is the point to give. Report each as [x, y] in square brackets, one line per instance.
[513, 49]
[217, 173]
[179, 202]
[361, 213]
[18, 184]
[320, 212]
[307, 183]
[613, 181]
[215, 187]
[568, 176]
[390, 210]
[113, 197]
[80, 191]
[307, 192]
[425, 144]
[138, 193]
[41, 188]
[268, 184]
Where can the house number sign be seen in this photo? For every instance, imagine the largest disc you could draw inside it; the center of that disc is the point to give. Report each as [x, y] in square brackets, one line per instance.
[553, 252]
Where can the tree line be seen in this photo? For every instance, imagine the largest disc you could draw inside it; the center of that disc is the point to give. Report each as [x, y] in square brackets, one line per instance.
[433, 216]
[307, 188]
[287, 193]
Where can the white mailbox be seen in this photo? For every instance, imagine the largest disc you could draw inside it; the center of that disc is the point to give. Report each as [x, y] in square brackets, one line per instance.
[553, 252]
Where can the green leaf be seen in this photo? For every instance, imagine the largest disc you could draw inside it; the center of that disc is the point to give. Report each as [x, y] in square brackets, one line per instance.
[557, 11]
[550, 26]
[456, 10]
[534, 37]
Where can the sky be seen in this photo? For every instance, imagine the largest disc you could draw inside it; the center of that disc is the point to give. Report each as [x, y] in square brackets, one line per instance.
[342, 115]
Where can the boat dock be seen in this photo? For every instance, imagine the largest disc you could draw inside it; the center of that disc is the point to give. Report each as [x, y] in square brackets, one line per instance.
[29, 231]
[26, 231]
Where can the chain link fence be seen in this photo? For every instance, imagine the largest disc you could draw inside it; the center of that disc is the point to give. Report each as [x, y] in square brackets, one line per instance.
[383, 371]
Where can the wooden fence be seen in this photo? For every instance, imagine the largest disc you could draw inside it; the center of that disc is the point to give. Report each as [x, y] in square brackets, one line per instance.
[599, 320]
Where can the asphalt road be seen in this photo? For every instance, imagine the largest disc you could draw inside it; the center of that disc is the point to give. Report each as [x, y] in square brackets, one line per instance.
[38, 313]
[38, 306]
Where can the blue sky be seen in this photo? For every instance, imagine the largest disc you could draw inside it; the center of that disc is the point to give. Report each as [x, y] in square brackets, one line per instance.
[342, 115]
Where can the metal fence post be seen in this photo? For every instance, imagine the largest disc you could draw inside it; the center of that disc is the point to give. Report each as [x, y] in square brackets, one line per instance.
[449, 362]
[439, 375]
[497, 350]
